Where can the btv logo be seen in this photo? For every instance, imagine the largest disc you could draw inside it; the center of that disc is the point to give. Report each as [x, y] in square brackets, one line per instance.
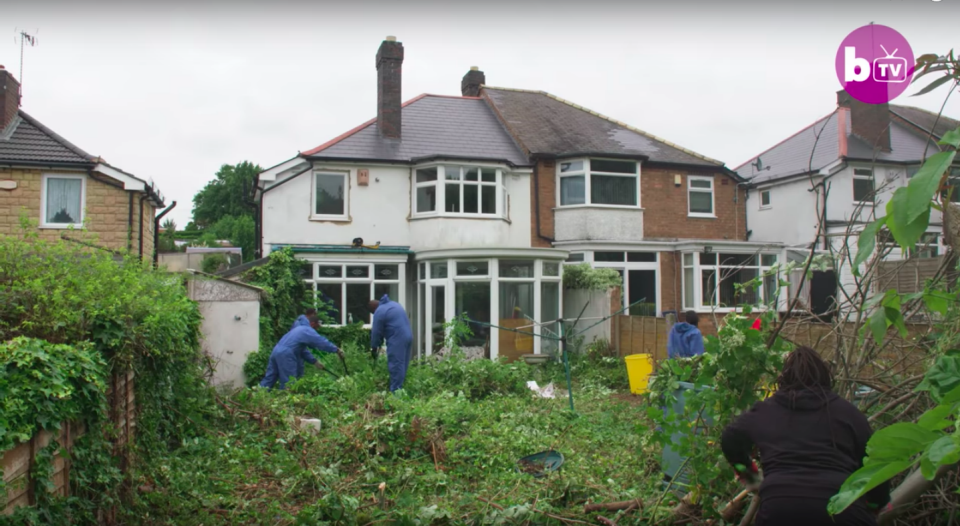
[889, 68]
[867, 70]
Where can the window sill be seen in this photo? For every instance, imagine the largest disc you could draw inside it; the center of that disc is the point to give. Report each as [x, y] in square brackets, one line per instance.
[701, 216]
[55, 226]
[601, 207]
[871, 204]
[768, 207]
[331, 219]
[488, 217]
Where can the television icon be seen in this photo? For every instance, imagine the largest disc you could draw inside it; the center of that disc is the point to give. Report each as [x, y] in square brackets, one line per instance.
[890, 68]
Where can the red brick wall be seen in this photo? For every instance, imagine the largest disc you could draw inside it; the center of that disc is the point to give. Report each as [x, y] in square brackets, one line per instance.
[545, 173]
[665, 206]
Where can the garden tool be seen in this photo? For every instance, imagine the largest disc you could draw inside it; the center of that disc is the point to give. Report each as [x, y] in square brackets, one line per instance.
[343, 360]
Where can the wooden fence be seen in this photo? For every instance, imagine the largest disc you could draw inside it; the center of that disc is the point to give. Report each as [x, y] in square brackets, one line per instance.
[640, 335]
[18, 462]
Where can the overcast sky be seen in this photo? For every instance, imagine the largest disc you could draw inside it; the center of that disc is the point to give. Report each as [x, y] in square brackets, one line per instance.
[172, 90]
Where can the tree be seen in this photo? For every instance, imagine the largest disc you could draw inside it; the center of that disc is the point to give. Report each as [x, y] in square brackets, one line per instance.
[226, 195]
[169, 225]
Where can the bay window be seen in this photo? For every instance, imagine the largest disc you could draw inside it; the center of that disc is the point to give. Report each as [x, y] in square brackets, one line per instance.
[454, 190]
[599, 182]
[727, 280]
[343, 290]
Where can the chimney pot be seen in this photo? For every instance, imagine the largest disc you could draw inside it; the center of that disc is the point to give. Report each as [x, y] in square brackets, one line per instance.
[470, 85]
[389, 62]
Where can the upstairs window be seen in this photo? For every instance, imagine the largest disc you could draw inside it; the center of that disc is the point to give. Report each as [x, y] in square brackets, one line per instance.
[63, 197]
[459, 190]
[700, 196]
[765, 199]
[610, 182]
[863, 187]
[330, 195]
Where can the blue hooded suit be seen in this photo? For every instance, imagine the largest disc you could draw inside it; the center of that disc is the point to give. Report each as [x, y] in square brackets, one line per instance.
[286, 360]
[301, 320]
[390, 323]
[685, 341]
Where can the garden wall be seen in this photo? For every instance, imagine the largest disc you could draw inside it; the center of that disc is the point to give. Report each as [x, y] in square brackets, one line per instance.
[18, 462]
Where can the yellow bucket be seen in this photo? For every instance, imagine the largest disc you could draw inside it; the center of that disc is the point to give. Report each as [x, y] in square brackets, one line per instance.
[639, 369]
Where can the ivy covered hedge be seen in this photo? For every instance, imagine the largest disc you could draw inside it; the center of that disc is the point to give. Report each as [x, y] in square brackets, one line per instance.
[583, 276]
[99, 316]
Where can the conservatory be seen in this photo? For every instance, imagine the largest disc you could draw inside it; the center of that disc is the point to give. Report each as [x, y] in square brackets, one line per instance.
[518, 289]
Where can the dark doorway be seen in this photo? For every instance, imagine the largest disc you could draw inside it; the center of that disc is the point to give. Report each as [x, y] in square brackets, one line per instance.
[823, 294]
[642, 286]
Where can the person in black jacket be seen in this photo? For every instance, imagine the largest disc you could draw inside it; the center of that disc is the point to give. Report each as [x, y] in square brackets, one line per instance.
[810, 440]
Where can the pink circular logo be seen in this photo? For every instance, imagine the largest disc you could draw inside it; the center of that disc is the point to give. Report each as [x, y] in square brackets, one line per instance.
[875, 64]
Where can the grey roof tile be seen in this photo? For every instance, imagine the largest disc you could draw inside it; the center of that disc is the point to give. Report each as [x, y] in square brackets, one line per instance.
[27, 140]
[544, 123]
[432, 125]
[792, 156]
[925, 119]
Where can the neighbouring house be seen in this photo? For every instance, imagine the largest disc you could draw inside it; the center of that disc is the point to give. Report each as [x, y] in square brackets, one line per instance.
[61, 188]
[861, 153]
[472, 203]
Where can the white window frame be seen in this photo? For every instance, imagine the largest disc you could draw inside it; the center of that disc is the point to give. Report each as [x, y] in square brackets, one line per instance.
[493, 279]
[871, 178]
[769, 204]
[625, 267]
[43, 201]
[713, 196]
[344, 280]
[719, 269]
[586, 173]
[500, 190]
[345, 216]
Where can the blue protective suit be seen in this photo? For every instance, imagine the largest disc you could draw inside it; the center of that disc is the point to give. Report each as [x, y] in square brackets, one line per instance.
[685, 341]
[286, 360]
[390, 323]
[301, 320]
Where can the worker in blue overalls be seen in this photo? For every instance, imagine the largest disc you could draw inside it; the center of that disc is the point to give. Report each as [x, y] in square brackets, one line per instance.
[390, 323]
[286, 360]
[303, 319]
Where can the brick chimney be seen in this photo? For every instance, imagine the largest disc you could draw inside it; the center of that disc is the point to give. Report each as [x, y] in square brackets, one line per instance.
[470, 85]
[9, 97]
[389, 60]
[870, 122]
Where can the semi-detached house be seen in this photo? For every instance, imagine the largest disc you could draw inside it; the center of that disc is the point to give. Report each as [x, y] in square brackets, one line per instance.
[62, 189]
[860, 154]
[473, 203]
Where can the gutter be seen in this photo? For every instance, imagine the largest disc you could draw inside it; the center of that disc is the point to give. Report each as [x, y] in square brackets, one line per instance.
[342, 249]
[413, 160]
[156, 232]
[47, 164]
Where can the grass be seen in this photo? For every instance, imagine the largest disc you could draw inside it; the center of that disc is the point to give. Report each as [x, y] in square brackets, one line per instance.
[444, 451]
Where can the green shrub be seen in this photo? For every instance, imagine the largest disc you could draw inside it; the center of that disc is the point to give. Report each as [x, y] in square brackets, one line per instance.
[213, 263]
[583, 276]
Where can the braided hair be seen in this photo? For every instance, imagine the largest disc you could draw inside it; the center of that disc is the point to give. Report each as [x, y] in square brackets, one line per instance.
[804, 369]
